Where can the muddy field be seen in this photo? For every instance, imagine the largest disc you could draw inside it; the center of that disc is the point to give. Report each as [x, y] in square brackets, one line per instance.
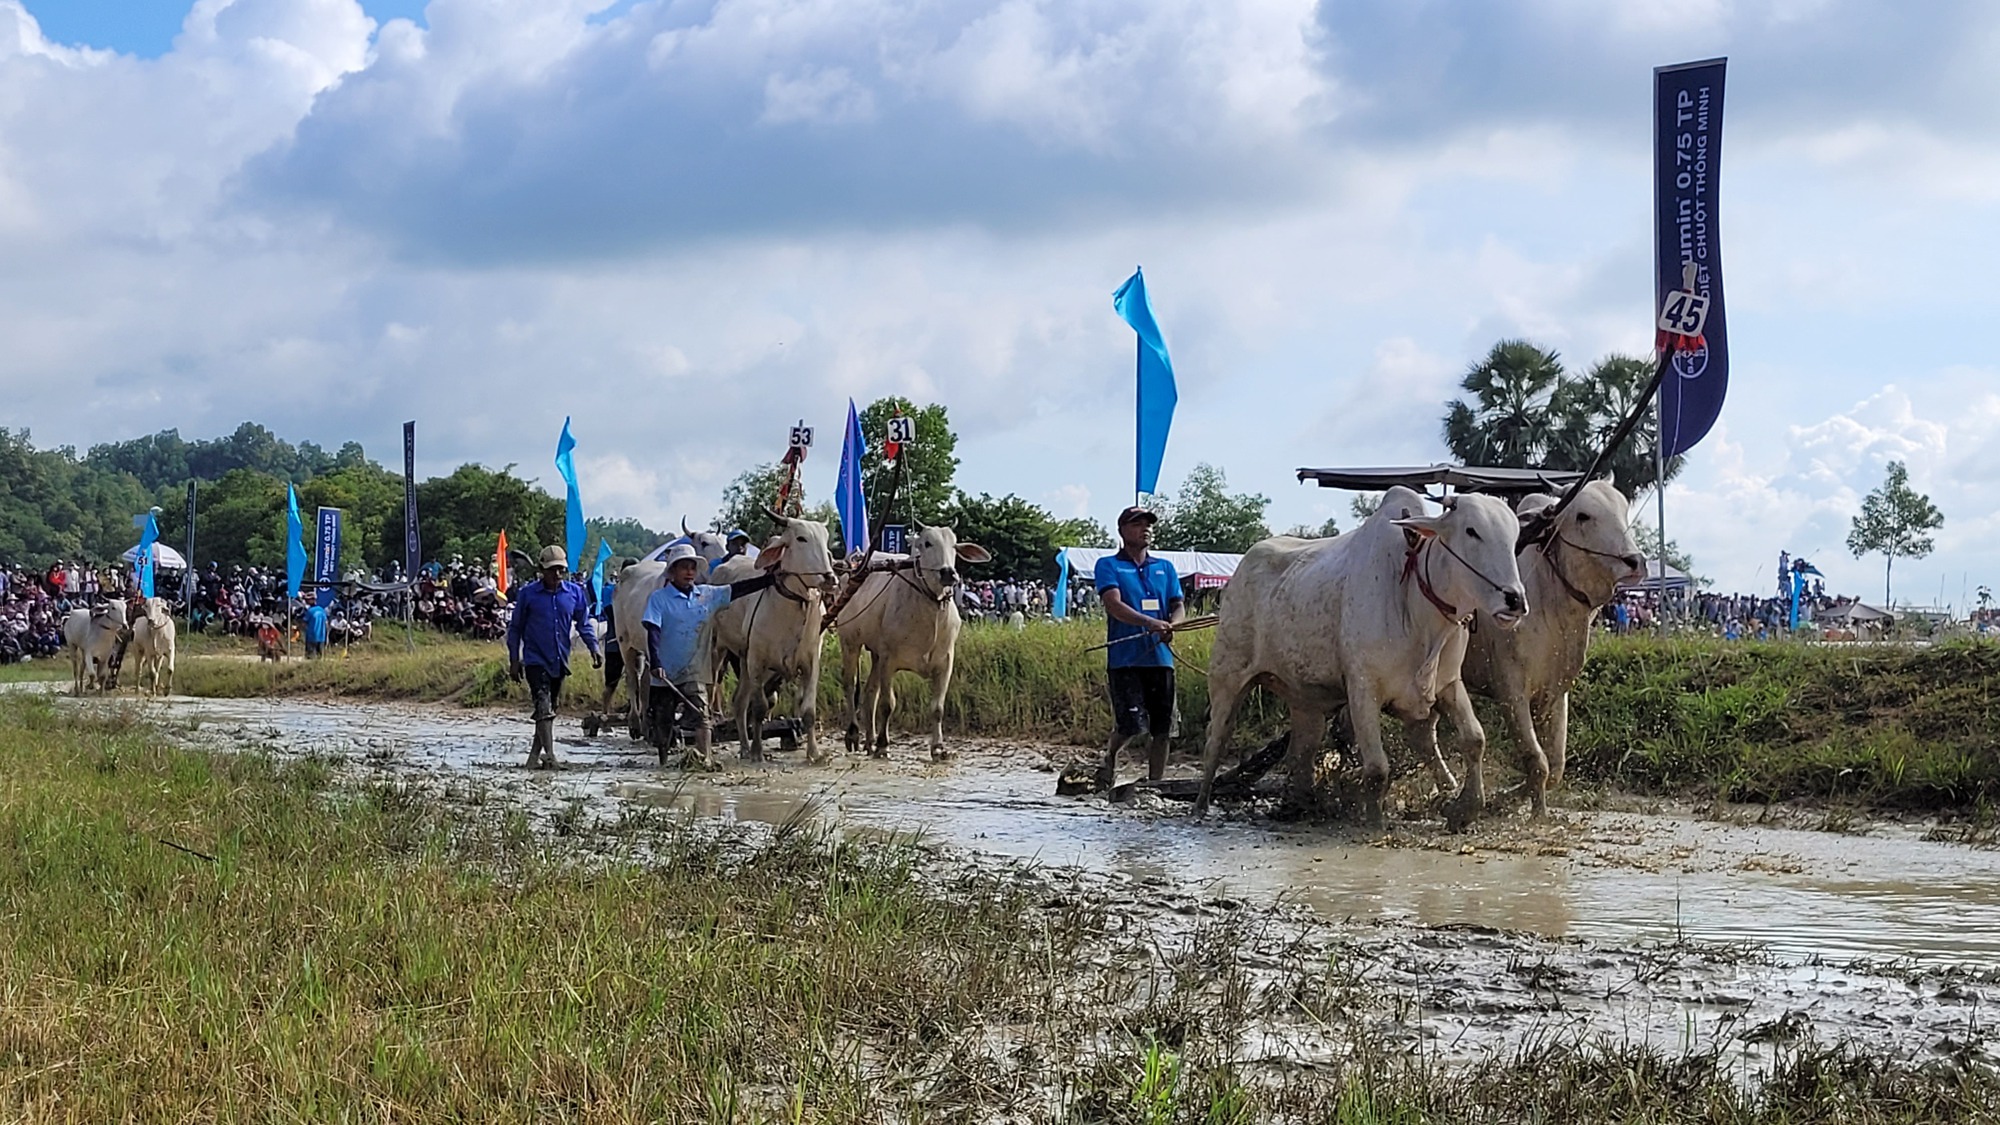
[1666, 927]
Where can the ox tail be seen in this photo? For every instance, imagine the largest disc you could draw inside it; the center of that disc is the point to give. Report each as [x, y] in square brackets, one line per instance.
[704, 652]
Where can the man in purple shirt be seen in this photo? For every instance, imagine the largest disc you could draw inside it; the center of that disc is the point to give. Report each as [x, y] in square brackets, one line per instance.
[538, 645]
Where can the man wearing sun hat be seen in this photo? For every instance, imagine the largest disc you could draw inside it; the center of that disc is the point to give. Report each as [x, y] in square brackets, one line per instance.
[1142, 603]
[538, 644]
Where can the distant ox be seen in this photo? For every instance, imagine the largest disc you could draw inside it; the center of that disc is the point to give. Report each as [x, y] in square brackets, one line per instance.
[153, 645]
[905, 615]
[90, 636]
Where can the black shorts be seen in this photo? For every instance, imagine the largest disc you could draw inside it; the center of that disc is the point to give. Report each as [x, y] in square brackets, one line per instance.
[543, 688]
[614, 667]
[1142, 699]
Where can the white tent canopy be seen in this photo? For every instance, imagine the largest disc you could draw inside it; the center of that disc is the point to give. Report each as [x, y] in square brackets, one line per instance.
[1084, 559]
[1677, 578]
[164, 557]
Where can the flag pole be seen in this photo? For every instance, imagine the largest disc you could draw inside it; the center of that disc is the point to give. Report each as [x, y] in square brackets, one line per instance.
[1138, 413]
[1660, 494]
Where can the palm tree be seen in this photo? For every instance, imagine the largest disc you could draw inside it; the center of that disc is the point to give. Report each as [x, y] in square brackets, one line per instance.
[1509, 423]
[1588, 409]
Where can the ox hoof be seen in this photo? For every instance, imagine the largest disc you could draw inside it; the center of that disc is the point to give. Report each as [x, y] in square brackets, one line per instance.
[1461, 811]
[879, 750]
[940, 754]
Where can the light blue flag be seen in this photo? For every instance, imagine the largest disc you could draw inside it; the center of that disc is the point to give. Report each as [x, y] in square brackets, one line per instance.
[295, 545]
[573, 508]
[597, 573]
[1059, 604]
[149, 534]
[1157, 394]
[849, 498]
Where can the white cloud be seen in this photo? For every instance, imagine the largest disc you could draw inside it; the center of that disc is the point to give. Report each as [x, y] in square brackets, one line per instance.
[688, 224]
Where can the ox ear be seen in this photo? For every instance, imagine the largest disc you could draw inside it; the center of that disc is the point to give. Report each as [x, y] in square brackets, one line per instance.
[1423, 527]
[770, 557]
[974, 553]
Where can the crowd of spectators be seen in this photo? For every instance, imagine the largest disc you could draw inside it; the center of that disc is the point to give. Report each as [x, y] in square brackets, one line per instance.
[33, 604]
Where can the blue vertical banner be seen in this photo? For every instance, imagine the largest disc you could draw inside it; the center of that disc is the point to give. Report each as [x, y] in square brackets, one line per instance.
[146, 560]
[295, 544]
[573, 503]
[848, 497]
[326, 556]
[597, 573]
[1059, 603]
[413, 547]
[1157, 394]
[895, 538]
[187, 572]
[1687, 169]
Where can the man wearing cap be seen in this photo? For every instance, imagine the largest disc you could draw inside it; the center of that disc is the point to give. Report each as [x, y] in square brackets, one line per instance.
[678, 680]
[538, 645]
[1142, 603]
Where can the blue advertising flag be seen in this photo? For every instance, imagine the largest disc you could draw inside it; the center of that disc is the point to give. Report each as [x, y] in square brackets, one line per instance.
[1687, 167]
[597, 573]
[848, 497]
[1157, 394]
[1059, 604]
[149, 534]
[295, 544]
[573, 507]
[326, 556]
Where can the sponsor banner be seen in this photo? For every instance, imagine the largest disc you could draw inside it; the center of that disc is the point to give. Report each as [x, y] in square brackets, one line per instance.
[326, 555]
[1687, 249]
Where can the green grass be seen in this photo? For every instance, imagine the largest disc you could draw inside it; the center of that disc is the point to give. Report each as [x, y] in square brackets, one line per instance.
[199, 936]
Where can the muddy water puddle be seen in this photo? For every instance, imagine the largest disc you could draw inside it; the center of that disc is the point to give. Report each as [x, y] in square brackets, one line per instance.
[1603, 878]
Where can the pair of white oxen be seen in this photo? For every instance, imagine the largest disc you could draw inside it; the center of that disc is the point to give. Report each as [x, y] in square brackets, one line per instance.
[1409, 615]
[902, 614]
[91, 638]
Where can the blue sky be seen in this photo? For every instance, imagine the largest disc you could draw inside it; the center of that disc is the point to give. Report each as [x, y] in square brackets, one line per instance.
[687, 223]
[146, 28]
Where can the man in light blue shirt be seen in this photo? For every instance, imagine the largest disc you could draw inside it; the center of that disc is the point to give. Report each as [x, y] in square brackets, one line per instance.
[678, 681]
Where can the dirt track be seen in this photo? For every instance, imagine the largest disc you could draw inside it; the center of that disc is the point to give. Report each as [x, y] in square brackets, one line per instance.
[1667, 928]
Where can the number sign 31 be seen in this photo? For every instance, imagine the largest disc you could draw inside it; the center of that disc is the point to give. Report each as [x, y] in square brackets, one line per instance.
[903, 429]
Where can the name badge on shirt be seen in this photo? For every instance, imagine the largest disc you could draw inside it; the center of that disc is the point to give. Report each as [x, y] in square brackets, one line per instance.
[1150, 605]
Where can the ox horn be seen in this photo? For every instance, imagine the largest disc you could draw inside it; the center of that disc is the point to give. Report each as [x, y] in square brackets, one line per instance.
[684, 528]
[776, 515]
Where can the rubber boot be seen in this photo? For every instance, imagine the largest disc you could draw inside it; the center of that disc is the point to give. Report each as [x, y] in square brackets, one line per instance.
[545, 737]
[703, 737]
[535, 748]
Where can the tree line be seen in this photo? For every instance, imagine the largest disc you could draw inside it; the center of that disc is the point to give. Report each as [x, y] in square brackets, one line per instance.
[59, 504]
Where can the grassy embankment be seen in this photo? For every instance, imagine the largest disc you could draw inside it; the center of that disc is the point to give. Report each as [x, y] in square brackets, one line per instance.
[1890, 727]
[196, 936]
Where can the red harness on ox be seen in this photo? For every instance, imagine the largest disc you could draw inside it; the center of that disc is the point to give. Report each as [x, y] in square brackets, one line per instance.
[1423, 580]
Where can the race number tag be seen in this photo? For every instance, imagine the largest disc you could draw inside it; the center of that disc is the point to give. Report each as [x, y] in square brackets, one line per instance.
[1150, 605]
[802, 437]
[903, 430]
[1684, 313]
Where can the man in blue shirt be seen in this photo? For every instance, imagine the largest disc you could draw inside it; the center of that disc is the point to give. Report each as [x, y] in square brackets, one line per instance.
[678, 681]
[1142, 603]
[315, 630]
[538, 645]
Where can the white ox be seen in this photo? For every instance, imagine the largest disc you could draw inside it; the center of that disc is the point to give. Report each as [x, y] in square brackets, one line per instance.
[1370, 620]
[636, 583]
[153, 644]
[904, 615]
[91, 638]
[774, 633]
[1529, 670]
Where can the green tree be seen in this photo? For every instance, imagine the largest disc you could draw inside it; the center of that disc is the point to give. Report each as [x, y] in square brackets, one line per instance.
[1364, 504]
[1327, 529]
[1895, 521]
[746, 500]
[1508, 421]
[464, 513]
[1021, 536]
[1587, 410]
[628, 537]
[1082, 532]
[929, 463]
[1204, 516]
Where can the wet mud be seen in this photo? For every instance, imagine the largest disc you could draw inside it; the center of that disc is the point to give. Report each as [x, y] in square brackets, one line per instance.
[1670, 928]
